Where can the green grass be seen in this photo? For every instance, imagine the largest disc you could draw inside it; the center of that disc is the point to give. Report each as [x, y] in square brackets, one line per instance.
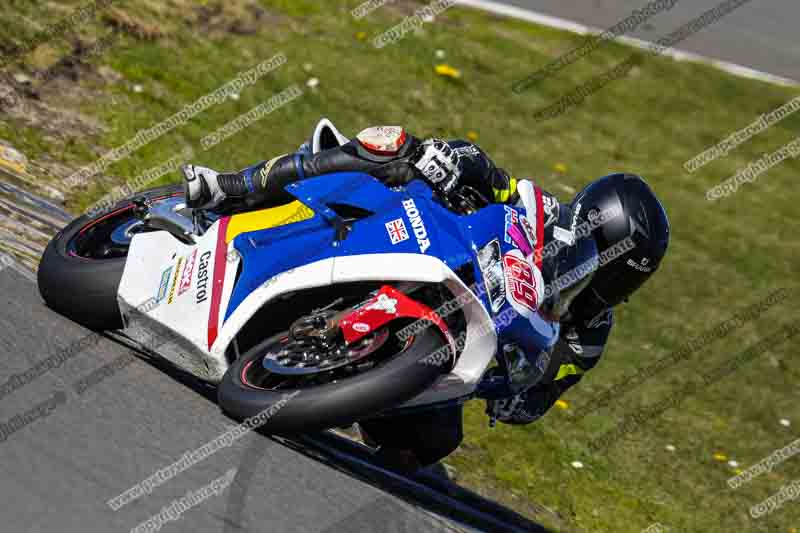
[724, 255]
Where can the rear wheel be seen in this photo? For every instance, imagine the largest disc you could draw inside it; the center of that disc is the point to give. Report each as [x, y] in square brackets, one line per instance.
[302, 388]
[82, 266]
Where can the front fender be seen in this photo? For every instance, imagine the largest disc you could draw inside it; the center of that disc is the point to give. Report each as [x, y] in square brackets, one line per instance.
[480, 341]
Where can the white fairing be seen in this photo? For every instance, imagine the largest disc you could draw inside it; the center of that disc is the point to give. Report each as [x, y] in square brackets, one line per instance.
[177, 322]
[481, 339]
[180, 315]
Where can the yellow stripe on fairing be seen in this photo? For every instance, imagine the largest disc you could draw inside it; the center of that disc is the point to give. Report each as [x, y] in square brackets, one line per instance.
[267, 218]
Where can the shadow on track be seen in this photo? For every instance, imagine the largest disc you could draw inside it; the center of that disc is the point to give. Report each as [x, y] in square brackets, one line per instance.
[428, 489]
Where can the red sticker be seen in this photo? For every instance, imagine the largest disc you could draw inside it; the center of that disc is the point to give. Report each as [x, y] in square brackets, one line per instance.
[186, 276]
[520, 282]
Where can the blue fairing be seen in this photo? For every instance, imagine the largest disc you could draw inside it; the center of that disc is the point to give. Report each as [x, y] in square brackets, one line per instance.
[453, 238]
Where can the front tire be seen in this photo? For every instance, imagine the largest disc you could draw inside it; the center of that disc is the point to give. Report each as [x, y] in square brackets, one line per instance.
[82, 288]
[338, 403]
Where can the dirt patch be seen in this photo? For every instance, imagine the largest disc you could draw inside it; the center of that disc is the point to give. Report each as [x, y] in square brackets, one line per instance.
[24, 103]
[133, 24]
[241, 18]
[408, 8]
[403, 7]
[46, 99]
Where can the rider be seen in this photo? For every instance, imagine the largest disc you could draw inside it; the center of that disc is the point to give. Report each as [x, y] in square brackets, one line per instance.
[583, 307]
[385, 152]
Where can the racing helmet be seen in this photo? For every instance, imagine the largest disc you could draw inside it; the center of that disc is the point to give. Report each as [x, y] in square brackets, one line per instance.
[630, 227]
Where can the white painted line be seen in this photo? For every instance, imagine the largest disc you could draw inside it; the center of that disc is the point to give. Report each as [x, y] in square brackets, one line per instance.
[678, 55]
[527, 15]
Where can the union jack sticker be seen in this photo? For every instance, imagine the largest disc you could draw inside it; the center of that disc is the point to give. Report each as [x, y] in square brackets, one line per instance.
[397, 230]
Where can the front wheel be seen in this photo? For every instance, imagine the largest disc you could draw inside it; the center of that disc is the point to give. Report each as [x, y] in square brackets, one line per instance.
[374, 374]
[80, 271]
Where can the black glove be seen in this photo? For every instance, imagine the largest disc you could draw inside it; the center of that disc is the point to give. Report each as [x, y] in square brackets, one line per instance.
[439, 165]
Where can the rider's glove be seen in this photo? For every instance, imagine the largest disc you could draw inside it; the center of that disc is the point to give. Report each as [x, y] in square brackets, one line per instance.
[201, 186]
[206, 188]
[439, 164]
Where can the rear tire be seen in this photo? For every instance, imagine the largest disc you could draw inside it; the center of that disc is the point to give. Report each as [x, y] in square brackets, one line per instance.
[85, 290]
[337, 403]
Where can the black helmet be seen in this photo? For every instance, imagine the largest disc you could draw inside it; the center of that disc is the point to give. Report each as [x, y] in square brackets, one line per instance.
[631, 229]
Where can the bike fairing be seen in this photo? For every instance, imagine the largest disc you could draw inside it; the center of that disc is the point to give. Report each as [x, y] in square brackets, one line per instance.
[440, 233]
[444, 231]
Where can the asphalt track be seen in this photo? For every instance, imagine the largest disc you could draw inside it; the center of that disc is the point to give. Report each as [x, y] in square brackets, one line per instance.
[761, 34]
[57, 473]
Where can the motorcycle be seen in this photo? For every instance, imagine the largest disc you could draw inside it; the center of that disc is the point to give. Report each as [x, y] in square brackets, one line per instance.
[354, 301]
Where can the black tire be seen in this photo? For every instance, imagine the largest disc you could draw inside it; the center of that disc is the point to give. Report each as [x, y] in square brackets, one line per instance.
[85, 290]
[334, 404]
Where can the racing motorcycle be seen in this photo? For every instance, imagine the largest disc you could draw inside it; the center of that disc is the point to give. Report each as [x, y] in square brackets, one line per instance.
[355, 300]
